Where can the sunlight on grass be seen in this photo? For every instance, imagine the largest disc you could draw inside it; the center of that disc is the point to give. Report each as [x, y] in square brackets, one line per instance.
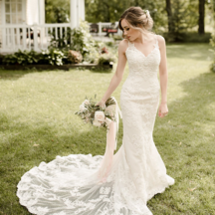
[38, 123]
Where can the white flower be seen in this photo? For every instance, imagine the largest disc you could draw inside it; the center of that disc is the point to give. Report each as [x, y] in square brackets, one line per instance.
[99, 116]
[86, 102]
[82, 108]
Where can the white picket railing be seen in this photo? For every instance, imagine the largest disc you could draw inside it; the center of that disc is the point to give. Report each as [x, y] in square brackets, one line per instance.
[37, 37]
[28, 37]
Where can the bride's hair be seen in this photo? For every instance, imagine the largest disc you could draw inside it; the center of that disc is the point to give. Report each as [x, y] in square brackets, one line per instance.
[138, 19]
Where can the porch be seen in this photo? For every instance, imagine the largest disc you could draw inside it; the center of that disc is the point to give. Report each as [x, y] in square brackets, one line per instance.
[22, 25]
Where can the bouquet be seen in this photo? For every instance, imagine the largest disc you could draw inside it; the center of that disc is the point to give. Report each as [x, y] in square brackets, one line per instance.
[96, 115]
[108, 117]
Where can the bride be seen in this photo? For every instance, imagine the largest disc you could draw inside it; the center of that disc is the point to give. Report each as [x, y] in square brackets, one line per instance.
[69, 185]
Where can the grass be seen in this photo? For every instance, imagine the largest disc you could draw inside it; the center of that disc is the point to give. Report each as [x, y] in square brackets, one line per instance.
[37, 123]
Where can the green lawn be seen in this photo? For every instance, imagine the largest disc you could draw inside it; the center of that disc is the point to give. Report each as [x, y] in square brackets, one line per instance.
[37, 122]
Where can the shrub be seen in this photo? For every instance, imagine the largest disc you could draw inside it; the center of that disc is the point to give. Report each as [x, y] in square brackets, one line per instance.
[82, 40]
[77, 39]
[22, 58]
[60, 40]
[117, 37]
[50, 56]
[212, 43]
[188, 37]
[106, 59]
[1, 59]
[53, 56]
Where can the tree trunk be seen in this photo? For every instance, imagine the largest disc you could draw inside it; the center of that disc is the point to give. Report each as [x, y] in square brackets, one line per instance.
[171, 27]
[201, 29]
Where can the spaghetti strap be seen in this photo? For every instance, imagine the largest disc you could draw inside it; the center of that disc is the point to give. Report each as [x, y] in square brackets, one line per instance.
[156, 41]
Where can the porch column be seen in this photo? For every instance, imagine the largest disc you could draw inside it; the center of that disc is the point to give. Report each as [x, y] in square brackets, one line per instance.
[41, 11]
[73, 13]
[82, 9]
[42, 39]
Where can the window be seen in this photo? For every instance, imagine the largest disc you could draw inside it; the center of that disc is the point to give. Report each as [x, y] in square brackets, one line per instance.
[13, 11]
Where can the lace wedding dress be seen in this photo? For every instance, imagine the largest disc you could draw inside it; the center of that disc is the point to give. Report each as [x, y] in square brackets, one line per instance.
[68, 185]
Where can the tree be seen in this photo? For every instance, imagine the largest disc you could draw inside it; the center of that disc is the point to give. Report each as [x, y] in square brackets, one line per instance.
[104, 10]
[201, 22]
[171, 27]
[57, 11]
[111, 10]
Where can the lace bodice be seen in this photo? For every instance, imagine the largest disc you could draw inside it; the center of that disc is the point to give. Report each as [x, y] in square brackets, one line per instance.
[142, 69]
[141, 65]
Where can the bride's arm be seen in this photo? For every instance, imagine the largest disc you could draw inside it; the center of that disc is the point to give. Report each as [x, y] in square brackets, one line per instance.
[117, 77]
[163, 110]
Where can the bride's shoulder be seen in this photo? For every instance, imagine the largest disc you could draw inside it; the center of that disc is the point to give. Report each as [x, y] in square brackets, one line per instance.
[160, 39]
[123, 45]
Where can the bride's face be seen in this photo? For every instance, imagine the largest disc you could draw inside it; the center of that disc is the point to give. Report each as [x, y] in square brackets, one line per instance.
[130, 33]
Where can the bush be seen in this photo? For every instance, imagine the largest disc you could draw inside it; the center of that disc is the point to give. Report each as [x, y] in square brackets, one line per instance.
[50, 56]
[1, 59]
[106, 59]
[53, 56]
[82, 41]
[60, 40]
[212, 43]
[77, 39]
[117, 37]
[22, 58]
[188, 37]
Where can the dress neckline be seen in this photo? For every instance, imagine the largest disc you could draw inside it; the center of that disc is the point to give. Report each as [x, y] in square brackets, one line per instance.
[155, 46]
[143, 53]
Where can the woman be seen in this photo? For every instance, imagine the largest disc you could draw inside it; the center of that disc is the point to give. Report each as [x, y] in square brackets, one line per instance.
[69, 185]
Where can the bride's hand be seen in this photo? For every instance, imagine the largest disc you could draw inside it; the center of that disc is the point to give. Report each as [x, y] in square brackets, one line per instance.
[101, 104]
[163, 110]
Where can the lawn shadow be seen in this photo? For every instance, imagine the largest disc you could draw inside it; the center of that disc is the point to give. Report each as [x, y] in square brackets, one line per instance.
[16, 74]
[12, 74]
[185, 139]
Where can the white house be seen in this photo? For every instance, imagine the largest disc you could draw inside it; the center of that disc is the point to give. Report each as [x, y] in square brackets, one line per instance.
[22, 24]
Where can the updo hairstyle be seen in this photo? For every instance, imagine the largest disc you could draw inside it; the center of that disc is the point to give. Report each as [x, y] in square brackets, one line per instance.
[138, 19]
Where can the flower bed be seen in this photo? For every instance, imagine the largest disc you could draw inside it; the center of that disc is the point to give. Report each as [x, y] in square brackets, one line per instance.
[81, 50]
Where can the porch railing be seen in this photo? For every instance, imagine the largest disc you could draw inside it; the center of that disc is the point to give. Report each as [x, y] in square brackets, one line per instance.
[38, 37]
[28, 37]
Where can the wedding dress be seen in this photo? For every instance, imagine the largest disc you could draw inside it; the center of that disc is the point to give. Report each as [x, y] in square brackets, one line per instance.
[68, 185]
